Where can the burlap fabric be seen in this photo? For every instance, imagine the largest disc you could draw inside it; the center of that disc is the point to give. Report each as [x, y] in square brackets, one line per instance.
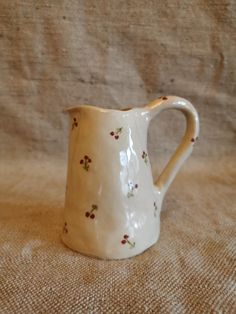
[54, 54]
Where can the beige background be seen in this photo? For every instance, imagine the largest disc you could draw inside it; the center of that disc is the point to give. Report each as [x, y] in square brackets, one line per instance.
[54, 54]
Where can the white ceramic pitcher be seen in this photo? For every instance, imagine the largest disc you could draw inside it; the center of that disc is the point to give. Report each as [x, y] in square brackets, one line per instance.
[112, 206]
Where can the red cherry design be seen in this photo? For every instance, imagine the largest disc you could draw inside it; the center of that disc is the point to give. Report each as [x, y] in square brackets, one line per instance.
[125, 240]
[86, 161]
[75, 123]
[65, 228]
[90, 213]
[116, 133]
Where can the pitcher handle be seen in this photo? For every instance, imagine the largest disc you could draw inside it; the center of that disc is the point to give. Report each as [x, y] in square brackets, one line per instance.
[186, 146]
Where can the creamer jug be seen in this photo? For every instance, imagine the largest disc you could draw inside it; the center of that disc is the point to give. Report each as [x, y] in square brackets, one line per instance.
[112, 206]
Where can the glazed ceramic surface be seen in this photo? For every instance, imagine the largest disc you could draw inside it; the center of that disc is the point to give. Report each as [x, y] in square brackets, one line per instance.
[112, 207]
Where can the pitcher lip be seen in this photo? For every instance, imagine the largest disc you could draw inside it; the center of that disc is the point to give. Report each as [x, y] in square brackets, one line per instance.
[101, 109]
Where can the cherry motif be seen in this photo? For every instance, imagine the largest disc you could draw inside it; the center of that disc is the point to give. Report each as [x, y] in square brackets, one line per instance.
[155, 209]
[90, 213]
[163, 97]
[116, 133]
[65, 230]
[132, 188]
[75, 123]
[85, 162]
[125, 240]
[144, 156]
[193, 140]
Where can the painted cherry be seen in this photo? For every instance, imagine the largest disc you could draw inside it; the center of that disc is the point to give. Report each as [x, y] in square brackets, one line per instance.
[126, 241]
[85, 162]
[155, 209]
[65, 229]
[91, 212]
[116, 134]
[75, 123]
[145, 157]
[193, 140]
[132, 188]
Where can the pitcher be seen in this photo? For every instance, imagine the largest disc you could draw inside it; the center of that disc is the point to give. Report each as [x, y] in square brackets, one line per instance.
[112, 206]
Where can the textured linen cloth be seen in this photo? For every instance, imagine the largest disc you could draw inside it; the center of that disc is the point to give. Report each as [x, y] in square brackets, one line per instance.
[116, 54]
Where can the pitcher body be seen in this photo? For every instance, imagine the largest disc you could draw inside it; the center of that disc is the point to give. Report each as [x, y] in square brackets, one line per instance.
[112, 206]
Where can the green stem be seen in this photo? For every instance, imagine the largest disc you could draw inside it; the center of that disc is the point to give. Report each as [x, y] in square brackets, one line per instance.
[86, 165]
[93, 209]
[132, 245]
